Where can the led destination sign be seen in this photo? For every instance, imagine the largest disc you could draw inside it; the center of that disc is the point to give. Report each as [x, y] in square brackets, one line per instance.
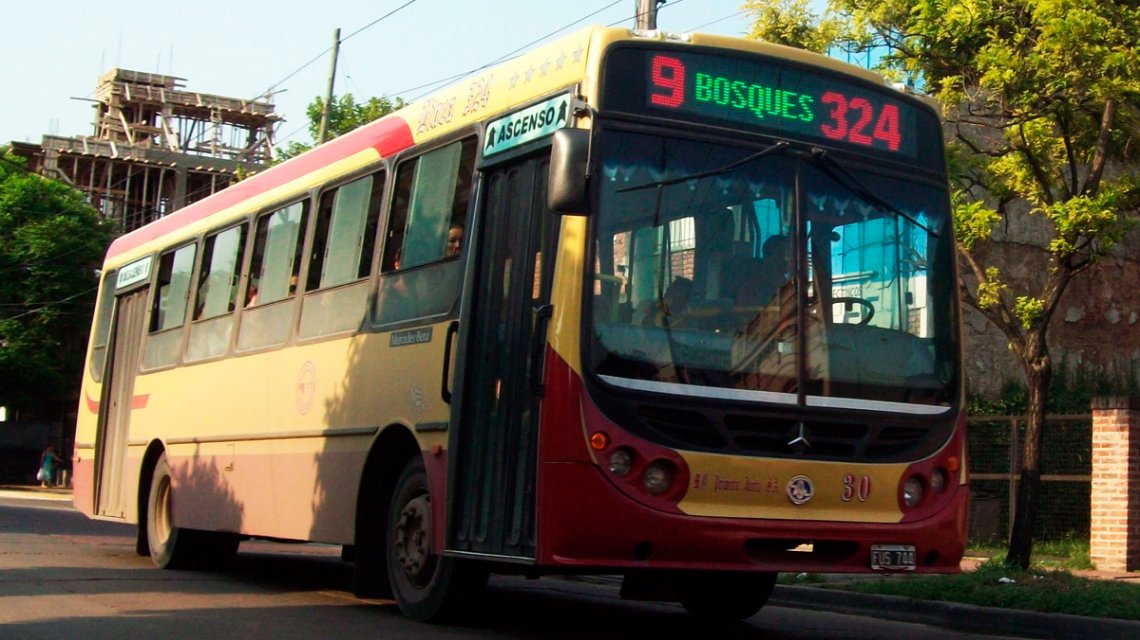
[767, 94]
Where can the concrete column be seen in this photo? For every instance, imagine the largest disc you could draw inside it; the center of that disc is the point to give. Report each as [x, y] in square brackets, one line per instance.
[1114, 536]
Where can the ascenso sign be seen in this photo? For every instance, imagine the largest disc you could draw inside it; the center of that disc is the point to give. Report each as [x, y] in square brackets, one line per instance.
[532, 123]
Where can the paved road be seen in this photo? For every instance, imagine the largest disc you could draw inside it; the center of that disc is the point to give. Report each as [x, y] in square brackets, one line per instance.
[63, 576]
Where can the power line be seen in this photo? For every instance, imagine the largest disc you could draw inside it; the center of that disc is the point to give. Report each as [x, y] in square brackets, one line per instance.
[320, 55]
[462, 74]
[47, 305]
[509, 55]
[719, 20]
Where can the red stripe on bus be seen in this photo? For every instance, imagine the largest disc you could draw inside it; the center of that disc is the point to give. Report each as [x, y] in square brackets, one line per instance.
[92, 405]
[137, 402]
[386, 136]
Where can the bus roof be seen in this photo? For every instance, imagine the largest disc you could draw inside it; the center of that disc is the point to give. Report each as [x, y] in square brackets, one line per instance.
[488, 91]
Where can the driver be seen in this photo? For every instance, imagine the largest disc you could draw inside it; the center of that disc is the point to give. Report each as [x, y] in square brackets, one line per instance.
[673, 304]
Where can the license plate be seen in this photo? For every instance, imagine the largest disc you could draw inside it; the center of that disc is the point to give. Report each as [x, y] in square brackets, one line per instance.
[892, 557]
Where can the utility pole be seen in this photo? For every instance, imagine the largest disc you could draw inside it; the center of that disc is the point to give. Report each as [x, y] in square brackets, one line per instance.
[322, 135]
[647, 14]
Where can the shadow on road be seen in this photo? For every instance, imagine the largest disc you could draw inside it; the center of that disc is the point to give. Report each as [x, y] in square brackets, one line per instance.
[85, 581]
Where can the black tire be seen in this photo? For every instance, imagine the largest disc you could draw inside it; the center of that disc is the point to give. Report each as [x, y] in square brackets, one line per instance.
[718, 596]
[173, 547]
[427, 587]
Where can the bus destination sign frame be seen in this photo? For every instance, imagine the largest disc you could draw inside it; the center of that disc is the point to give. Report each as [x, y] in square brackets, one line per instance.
[772, 96]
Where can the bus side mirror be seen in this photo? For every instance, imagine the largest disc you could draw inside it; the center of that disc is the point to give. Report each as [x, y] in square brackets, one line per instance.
[568, 187]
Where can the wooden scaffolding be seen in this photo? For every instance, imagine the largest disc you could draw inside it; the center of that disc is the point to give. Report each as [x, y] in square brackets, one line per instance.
[157, 147]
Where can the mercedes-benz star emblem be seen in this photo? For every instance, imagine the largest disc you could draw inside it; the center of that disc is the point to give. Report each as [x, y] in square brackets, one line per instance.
[801, 440]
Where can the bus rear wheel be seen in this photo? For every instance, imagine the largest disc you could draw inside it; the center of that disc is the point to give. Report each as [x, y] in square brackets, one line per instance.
[173, 547]
[427, 587]
[724, 596]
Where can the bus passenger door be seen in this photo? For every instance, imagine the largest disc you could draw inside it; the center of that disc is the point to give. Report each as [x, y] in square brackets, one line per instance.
[115, 405]
[495, 439]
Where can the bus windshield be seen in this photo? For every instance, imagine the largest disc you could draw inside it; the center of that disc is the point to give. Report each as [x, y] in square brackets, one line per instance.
[774, 277]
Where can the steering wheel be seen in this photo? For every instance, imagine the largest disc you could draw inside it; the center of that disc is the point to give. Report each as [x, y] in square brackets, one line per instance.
[859, 301]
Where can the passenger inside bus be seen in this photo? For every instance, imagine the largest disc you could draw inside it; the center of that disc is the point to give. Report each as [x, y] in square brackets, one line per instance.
[454, 240]
[767, 275]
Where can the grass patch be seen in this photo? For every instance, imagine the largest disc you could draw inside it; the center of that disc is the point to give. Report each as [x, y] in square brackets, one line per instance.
[1039, 589]
[1069, 554]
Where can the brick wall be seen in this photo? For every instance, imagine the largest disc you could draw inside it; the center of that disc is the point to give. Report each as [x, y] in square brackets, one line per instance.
[1114, 538]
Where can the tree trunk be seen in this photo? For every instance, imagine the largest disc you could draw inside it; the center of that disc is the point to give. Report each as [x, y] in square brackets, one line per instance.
[1039, 372]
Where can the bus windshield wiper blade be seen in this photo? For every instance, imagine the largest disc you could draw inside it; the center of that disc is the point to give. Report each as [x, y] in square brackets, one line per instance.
[779, 146]
[840, 174]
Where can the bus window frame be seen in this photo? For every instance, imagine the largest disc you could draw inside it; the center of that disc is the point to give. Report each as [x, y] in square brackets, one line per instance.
[239, 293]
[102, 326]
[152, 300]
[305, 199]
[474, 133]
[383, 167]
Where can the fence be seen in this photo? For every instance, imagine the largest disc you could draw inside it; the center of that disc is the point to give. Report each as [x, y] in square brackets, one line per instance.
[994, 449]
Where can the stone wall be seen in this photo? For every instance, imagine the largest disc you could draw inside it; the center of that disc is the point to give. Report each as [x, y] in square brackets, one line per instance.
[1096, 328]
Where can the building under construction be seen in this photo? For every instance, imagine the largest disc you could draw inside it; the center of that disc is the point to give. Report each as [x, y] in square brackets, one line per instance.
[156, 146]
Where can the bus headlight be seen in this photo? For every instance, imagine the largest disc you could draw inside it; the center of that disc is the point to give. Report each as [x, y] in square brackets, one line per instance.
[620, 462]
[912, 491]
[658, 476]
[938, 480]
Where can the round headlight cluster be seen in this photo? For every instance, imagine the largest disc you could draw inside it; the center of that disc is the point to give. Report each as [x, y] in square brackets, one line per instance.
[621, 461]
[655, 477]
[914, 489]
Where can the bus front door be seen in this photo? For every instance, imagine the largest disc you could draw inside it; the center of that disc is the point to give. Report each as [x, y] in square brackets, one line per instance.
[494, 443]
[116, 404]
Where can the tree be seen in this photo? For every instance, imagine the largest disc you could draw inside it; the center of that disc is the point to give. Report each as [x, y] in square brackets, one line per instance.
[792, 23]
[1042, 103]
[51, 246]
[345, 114]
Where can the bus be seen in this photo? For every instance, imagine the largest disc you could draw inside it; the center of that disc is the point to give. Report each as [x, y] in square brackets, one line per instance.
[679, 308]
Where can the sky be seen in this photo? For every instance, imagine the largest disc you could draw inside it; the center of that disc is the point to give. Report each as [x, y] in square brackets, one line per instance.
[56, 50]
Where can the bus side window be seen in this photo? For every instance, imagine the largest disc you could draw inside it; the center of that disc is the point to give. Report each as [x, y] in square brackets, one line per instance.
[340, 260]
[102, 333]
[168, 308]
[420, 273]
[217, 294]
[274, 268]
[345, 233]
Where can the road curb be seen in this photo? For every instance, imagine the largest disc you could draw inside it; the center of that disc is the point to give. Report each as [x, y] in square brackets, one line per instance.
[953, 616]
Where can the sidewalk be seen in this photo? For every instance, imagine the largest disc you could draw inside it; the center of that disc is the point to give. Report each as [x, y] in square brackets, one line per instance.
[35, 492]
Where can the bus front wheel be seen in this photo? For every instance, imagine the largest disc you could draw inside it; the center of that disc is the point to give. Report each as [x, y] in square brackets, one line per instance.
[426, 586]
[173, 547]
[724, 596]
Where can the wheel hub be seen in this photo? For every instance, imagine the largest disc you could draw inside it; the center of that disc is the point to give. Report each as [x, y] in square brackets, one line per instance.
[413, 539]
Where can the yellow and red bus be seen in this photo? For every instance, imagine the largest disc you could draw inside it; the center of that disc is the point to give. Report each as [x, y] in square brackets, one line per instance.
[676, 307]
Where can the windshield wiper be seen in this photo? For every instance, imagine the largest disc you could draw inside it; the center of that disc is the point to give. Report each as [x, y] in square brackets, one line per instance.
[840, 174]
[707, 174]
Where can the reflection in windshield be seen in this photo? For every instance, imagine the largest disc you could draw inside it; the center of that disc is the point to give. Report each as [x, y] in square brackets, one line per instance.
[695, 280]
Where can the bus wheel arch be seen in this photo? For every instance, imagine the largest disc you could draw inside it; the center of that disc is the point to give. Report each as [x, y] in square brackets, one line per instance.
[390, 452]
[172, 547]
[154, 451]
